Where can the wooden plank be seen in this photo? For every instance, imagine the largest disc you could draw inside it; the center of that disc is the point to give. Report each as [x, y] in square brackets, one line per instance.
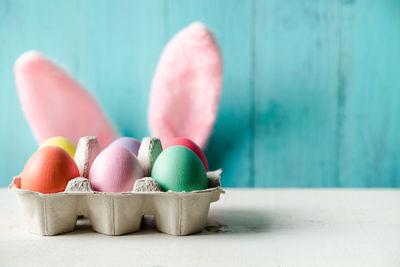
[296, 81]
[230, 146]
[370, 150]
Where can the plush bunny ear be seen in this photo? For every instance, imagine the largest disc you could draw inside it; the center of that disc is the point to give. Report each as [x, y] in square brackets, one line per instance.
[56, 105]
[186, 87]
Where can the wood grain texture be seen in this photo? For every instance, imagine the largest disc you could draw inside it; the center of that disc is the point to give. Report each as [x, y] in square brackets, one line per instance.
[296, 83]
[311, 88]
[370, 148]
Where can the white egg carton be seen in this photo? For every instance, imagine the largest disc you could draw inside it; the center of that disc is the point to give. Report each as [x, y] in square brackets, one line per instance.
[175, 213]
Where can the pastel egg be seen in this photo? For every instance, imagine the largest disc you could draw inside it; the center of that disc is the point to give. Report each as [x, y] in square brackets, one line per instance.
[128, 142]
[178, 169]
[115, 169]
[186, 142]
[61, 142]
[48, 170]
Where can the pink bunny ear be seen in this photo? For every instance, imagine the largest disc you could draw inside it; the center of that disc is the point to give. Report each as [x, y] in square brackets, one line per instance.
[56, 105]
[186, 87]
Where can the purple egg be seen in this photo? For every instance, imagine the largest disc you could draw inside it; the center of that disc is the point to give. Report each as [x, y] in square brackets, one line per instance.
[128, 142]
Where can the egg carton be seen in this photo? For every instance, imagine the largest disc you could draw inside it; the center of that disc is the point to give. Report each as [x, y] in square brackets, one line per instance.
[175, 213]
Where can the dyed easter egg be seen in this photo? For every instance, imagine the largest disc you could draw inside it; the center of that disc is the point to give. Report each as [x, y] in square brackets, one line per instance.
[115, 169]
[48, 170]
[128, 142]
[182, 141]
[178, 169]
[61, 142]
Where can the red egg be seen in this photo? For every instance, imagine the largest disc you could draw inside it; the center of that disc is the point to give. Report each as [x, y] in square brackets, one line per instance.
[48, 170]
[182, 141]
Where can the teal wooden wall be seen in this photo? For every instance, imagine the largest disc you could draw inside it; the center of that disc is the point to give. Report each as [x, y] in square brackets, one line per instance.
[311, 88]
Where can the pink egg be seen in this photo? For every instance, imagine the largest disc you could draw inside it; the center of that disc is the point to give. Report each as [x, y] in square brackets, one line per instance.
[115, 169]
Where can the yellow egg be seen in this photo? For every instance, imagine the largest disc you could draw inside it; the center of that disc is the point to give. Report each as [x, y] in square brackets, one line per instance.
[61, 142]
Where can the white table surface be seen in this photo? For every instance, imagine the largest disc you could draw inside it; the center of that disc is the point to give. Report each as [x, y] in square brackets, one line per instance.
[247, 227]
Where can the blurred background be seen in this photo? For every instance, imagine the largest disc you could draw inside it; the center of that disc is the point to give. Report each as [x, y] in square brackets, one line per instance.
[311, 92]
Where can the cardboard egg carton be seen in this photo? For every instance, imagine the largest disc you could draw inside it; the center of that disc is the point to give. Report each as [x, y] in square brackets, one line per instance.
[175, 213]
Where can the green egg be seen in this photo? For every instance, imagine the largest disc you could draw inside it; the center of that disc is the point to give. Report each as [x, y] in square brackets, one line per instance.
[178, 169]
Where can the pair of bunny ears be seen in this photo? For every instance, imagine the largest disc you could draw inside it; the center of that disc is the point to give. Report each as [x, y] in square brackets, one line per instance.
[184, 96]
